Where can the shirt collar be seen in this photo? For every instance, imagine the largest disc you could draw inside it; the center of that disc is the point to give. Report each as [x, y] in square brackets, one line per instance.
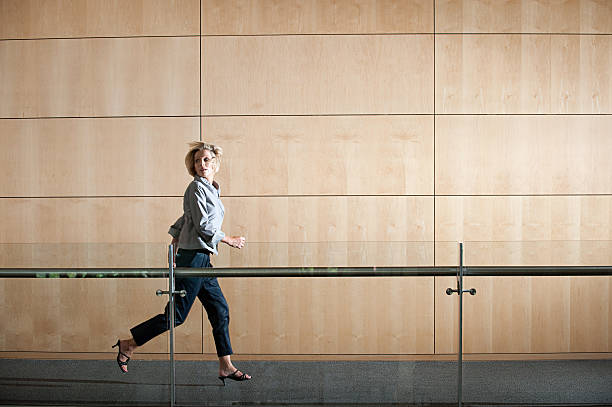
[203, 180]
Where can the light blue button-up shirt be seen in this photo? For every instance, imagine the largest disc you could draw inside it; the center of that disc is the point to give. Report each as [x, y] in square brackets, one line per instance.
[200, 225]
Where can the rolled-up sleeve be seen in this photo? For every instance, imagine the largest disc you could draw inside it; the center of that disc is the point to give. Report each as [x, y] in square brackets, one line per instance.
[175, 229]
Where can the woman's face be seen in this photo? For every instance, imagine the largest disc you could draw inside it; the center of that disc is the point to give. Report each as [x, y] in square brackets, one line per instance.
[205, 164]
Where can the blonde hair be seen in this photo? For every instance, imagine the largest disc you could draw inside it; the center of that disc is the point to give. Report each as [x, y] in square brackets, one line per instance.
[196, 146]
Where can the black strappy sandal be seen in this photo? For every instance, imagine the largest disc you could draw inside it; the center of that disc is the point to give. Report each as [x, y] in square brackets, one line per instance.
[233, 376]
[119, 354]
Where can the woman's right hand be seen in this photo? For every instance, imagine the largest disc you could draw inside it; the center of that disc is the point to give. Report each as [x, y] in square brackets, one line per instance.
[234, 241]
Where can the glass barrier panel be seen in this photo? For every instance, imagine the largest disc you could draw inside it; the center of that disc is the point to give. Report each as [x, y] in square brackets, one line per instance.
[83, 255]
[317, 330]
[539, 253]
[56, 338]
[538, 339]
[328, 254]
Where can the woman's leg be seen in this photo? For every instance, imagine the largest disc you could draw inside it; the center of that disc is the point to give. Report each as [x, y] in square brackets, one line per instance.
[214, 302]
[149, 329]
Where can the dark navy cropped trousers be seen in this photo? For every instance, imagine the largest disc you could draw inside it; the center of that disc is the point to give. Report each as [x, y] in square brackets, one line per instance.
[207, 290]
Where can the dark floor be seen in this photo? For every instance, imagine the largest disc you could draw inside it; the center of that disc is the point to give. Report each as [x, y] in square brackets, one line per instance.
[304, 384]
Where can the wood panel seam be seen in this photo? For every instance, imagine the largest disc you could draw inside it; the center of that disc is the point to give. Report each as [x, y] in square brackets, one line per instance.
[98, 38]
[298, 115]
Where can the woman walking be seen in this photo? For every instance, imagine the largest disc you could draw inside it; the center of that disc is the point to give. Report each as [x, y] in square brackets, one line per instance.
[196, 234]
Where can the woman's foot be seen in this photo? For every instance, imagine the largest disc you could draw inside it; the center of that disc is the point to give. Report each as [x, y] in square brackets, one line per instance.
[124, 353]
[228, 371]
[236, 375]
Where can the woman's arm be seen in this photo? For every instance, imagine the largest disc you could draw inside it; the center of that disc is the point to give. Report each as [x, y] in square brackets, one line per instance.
[175, 229]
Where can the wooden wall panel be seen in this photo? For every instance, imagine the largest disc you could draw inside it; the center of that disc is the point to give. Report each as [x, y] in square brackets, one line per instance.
[91, 18]
[113, 231]
[524, 16]
[347, 180]
[340, 219]
[523, 74]
[99, 77]
[370, 316]
[93, 220]
[85, 157]
[257, 17]
[538, 315]
[590, 314]
[317, 74]
[446, 319]
[322, 231]
[327, 254]
[527, 315]
[523, 155]
[339, 155]
[78, 315]
[87, 232]
[515, 224]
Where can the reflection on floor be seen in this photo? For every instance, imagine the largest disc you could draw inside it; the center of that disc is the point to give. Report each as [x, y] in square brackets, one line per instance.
[303, 384]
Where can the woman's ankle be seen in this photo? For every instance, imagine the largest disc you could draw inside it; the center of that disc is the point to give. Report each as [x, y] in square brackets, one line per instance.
[129, 345]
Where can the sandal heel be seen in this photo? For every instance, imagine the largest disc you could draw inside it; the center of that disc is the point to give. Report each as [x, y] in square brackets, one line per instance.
[120, 362]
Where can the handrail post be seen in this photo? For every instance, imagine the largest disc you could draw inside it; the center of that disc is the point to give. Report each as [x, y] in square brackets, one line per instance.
[171, 311]
[460, 291]
[171, 315]
[460, 352]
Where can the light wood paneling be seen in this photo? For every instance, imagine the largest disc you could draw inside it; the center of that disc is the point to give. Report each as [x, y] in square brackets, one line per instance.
[369, 317]
[529, 315]
[99, 77]
[446, 316]
[75, 315]
[581, 79]
[112, 232]
[317, 74]
[523, 155]
[330, 231]
[492, 74]
[87, 232]
[356, 155]
[523, 74]
[88, 220]
[336, 316]
[524, 16]
[500, 315]
[539, 253]
[591, 314]
[328, 254]
[257, 17]
[84, 157]
[322, 219]
[522, 230]
[93, 18]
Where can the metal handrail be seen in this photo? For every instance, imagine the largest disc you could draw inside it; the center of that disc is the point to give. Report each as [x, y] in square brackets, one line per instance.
[552, 271]
[419, 271]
